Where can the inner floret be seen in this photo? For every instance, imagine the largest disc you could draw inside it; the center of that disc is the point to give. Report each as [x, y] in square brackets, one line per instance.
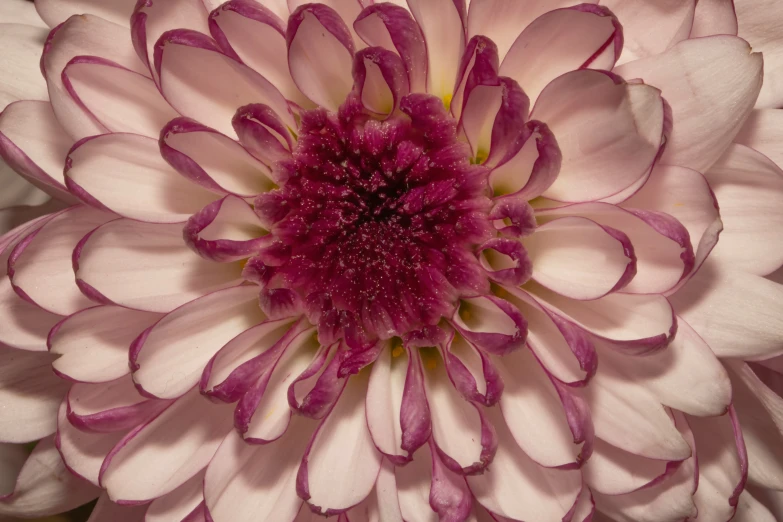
[376, 223]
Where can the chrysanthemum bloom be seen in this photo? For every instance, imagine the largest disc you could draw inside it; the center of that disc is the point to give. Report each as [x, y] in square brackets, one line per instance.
[395, 261]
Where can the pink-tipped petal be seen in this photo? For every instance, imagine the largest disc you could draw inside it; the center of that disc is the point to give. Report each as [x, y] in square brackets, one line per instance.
[491, 324]
[198, 329]
[473, 373]
[560, 41]
[146, 267]
[613, 471]
[714, 17]
[55, 12]
[178, 504]
[320, 54]
[93, 344]
[157, 457]
[380, 79]
[710, 102]
[262, 133]
[615, 148]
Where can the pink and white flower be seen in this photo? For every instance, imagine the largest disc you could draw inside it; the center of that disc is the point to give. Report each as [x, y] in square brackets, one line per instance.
[422, 260]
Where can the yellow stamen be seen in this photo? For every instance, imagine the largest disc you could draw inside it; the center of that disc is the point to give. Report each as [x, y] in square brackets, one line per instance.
[447, 101]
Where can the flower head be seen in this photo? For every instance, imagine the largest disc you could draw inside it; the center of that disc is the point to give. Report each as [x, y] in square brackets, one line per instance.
[424, 260]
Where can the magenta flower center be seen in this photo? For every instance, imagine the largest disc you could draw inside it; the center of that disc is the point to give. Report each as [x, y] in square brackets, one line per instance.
[376, 223]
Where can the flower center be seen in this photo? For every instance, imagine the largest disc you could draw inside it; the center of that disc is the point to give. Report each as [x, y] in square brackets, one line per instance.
[376, 222]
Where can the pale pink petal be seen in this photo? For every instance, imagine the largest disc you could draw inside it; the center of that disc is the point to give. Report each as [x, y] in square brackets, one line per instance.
[709, 102]
[55, 12]
[503, 21]
[661, 244]
[83, 35]
[612, 471]
[245, 27]
[159, 456]
[751, 510]
[723, 465]
[534, 413]
[758, 24]
[630, 417]
[179, 503]
[262, 133]
[580, 258]
[560, 41]
[714, 17]
[380, 79]
[763, 131]
[120, 99]
[518, 488]
[491, 324]
[107, 511]
[44, 486]
[347, 9]
[649, 28]
[472, 371]
[34, 144]
[12, 458]
[146, 267]
[21, 12]
[442, 23]
[82, 451]
[760, 413]
[462, 434]
[737, 314]
[320, 54]
[414, 485]
[687, 196]
[392, 27]
[169, 357]
[21, 76]
[386, 504]
[40, 266]
[565, 350]
[93, 344]
[609, 132]
[203, 83]
[748, 187]
[30, 394]
[239, 487]
[341, 464]
[125, 174]
[212, 160]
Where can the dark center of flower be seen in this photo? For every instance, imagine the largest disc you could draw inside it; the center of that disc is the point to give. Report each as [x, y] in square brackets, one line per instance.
[376, 222]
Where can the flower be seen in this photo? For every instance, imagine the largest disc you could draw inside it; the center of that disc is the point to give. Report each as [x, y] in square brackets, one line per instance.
[394, 261]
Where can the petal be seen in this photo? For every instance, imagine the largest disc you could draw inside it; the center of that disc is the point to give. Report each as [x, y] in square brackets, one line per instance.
[146, 267]
[142, 185]
[661, 244]
[226, 230]
[631, 418]
[612, 471]
[41, 265]
[21, 12]
[580, 258]
[651, 28]
[414, 486]
[379, 79]
[762, 132]
[105, 509]
[239, 487]
[759, 28]
[78, 36]
[751, 510]
[534, 413]
[471, 371]
[55, 12]
[320, 54]
[392, 27]
[560, 41]
[34, 144]
[341, 464]
[203, 83]
[44, 486]
[212, 160]
[491, 324]
[714, 17]
[199, 329]
[520, 489]
[463, 437]
[244, 27]
[262, 133]
[737, 314]
[503, 21]
[609, 132]
[748, 187]
[21, 78]
[119, 99]
[179, 503]
[709, 102]
[93, 344]
[157, 457]
[30, 395]
[723, 465]
[442, 23]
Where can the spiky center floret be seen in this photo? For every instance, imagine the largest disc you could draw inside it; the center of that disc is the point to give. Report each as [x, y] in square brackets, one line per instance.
[376, 222]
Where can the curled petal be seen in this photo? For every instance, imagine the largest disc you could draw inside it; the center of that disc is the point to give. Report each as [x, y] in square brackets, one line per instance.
[491, 324]
[518, 212]
[380, 80]
[262, 133]
[506, 261]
